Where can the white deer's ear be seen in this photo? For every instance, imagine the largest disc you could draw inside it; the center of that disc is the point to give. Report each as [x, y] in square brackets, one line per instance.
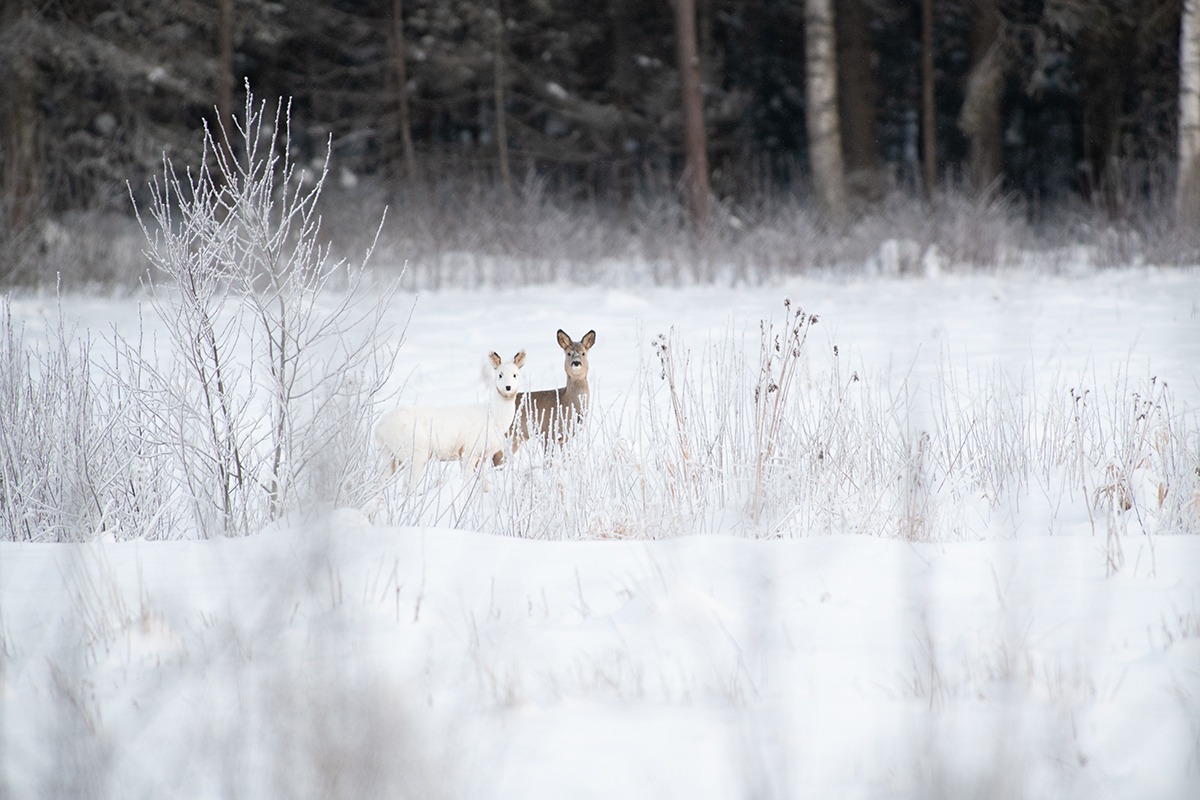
[588, 340]
[496, 360]
[519, 359]
[564, 341]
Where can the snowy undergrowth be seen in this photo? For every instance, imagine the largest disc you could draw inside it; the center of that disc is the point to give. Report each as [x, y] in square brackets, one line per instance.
[766, 444]
[340, 660]
[275, 361]
[763, 440]
[331, 658]
[931, 643]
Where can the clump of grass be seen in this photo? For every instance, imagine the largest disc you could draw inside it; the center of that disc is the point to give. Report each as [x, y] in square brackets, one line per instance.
[778, 362]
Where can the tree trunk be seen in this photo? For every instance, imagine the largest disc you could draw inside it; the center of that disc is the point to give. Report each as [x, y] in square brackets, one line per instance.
[695, 140]
[821, 108]
[928, 118]
[1187, 190]
[621, 89]
[856, 102]
[498, 85]
[410, 158]
[19, 128]
[225, 73]
[979, 119]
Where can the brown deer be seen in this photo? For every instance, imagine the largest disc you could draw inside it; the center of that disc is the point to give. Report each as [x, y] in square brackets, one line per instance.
[553, 412]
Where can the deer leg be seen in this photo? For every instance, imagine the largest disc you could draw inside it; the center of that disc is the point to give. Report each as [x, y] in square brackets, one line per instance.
[472, 464]
[386, 465]
[416, 469]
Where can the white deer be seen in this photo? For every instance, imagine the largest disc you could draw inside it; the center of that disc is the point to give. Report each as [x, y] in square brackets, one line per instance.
[415, 434]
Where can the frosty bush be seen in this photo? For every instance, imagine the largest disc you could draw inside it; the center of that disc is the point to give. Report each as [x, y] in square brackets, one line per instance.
[74, 464]
[264, 400]
[274, 381]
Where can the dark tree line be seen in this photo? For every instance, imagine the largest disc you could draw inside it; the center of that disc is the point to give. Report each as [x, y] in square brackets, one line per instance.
[1054, 101]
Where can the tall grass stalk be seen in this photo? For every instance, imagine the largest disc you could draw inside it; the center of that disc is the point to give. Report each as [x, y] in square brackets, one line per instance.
[779, 358]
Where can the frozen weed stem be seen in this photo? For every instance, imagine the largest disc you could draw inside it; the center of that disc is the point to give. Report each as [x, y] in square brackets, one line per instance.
[778, 358]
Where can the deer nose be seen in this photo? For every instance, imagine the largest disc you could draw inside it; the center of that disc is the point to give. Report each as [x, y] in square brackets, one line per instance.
[576, 363]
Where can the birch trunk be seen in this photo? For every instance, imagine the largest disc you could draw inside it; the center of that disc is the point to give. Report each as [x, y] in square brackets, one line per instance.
[821, 107]
[1187, 190]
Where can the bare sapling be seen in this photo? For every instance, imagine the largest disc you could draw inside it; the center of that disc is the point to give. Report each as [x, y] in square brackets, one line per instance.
[238, 241]
[413, 435]
[552, 414]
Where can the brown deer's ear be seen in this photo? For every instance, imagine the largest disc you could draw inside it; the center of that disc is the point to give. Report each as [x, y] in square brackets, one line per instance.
[588, 340]
[519, 359]
[496, 360]
[564, 341]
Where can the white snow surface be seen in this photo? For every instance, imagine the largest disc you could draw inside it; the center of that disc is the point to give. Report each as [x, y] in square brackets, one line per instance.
[330, 657]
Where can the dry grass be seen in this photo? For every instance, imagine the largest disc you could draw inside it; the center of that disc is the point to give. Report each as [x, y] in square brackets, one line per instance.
[719, 440]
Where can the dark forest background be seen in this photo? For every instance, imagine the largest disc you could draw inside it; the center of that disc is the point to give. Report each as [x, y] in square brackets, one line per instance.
[1053, 122]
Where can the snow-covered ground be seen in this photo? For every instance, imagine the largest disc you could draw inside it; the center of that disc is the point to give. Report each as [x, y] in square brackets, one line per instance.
[337, 658]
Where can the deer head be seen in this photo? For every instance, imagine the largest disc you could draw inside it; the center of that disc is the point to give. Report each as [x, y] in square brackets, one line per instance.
[576, 363]
[508, 373]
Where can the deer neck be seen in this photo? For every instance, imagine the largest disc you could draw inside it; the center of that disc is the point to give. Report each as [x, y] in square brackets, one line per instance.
[503, 410]
[576, 391]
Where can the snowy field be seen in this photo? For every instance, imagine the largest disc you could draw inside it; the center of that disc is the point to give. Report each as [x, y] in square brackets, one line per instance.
[973, 572]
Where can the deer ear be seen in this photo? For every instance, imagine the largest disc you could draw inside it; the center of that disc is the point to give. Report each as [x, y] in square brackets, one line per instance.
[519, 359]
[564, 341]
[496, 360]
[588, 339]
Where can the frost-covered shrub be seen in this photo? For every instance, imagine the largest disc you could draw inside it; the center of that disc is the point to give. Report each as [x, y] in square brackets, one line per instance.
[277, 363]
[74, 463]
